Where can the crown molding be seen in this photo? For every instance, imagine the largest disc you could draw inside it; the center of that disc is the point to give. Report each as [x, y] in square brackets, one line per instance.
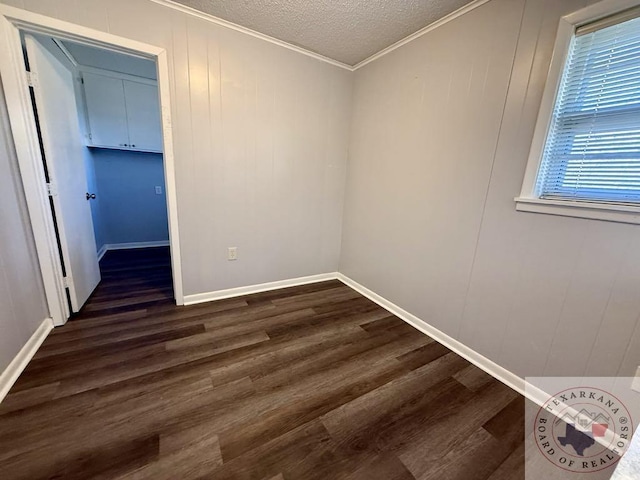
[432, 26]
[352, 68]
[239, 28]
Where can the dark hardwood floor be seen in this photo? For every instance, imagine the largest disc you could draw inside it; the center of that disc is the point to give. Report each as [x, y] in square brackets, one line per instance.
[310, 382]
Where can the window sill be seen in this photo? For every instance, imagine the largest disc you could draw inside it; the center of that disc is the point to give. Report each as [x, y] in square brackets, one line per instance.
[568, 208]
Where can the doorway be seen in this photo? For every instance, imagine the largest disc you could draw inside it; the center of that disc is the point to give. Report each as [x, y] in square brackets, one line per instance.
[40, 89]
[98, 120]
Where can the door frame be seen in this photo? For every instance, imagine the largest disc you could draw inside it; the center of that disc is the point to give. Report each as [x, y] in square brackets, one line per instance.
[25, 137]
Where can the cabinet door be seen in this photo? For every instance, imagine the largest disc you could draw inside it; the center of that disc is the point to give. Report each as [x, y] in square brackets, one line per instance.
[106, 110]
[143, 116]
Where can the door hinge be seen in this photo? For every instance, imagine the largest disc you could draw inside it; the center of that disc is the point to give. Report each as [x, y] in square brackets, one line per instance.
[65, 282]
[32, 79]
[51, 190]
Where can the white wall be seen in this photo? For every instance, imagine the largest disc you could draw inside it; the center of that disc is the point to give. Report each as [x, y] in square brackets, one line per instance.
[22, 301]
[260, 137]
[440, 137]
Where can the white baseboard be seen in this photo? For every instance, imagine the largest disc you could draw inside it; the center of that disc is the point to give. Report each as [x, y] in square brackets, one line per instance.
[26, 353]
[261, 287]
[18, 364]
[507, 377]
[126, 246]
[500, 373]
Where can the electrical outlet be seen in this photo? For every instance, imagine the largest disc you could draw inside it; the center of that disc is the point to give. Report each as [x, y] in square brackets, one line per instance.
[635, 386]
[232, 253]
[158, 190]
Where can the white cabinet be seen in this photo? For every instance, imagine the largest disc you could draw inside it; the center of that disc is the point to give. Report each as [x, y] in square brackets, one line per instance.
[122, 113]
[143, 116]
[106, 110]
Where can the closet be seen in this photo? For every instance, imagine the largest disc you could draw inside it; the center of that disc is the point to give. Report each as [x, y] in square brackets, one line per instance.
[121, 113]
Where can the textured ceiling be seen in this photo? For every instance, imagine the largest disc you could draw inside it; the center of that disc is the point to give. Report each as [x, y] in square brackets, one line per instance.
[345, 30]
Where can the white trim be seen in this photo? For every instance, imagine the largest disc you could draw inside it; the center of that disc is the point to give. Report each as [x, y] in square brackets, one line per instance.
[432, 26]
[510, 379]
[130, 245]
[529, 200]
[590, 210]
[102, 251]
[118, 75]
[66, 52]
[352, 68]
[247, 31]
[260, 287]
[41, 24]
[500, 373]
[10, 374]
[560, 51]
[162, 65]
[23, 130]
[599, 10]
[123, 149]
[27, 147]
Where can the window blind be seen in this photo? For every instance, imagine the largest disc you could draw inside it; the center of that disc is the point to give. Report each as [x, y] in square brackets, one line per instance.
[592, 151]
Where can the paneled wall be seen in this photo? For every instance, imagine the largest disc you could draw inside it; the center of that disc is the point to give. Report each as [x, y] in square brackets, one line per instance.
[438, 133]
[129, 210]
[22, 301]
[260, 136]
[440, 138]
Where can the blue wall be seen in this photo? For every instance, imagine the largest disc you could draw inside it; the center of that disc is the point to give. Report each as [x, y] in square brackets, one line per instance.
[127, 207]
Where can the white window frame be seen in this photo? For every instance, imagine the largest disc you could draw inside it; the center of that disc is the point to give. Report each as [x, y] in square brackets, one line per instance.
[529, 201]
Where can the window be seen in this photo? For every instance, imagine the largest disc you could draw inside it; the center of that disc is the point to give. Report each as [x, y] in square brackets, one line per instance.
[589, 156]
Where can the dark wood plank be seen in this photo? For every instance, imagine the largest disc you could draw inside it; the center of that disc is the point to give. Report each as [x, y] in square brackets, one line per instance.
[311, 382]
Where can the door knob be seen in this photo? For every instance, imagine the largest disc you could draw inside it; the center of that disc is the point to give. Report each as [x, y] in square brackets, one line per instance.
[90, 196]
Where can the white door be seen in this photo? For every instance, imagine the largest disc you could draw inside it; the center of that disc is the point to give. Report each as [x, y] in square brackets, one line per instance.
[106, 110]
[143, 116]
[58, 121]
